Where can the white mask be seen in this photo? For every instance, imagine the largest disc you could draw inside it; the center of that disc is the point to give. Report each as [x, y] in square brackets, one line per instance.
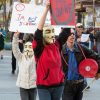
[28, 50]
[48, 34]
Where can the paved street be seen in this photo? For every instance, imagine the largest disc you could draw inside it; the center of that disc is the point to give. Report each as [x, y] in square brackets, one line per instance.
[9, 91]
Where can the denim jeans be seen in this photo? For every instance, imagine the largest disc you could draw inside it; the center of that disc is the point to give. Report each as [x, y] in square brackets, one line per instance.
[28, 94]
[54, 93]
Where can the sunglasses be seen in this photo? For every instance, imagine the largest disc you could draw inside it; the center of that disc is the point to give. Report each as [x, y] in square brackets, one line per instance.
[80, 27]
[71, 34]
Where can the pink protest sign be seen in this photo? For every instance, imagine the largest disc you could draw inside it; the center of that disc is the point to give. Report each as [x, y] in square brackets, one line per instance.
[62, 12]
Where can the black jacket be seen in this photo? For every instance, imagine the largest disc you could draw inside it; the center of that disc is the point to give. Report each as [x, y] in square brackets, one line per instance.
[1, 42]
[79, 56]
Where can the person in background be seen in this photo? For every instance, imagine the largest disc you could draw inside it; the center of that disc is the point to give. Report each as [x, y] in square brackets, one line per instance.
[71, 58]
[2, 36]
[79, 32]
[26, 80]
[97, 38]
[78, 35]
[21, 35]
[92, 38]
[47, 49]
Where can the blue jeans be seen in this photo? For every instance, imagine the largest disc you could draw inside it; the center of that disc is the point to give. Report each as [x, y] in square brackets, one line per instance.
[54, 93]
[28, 94]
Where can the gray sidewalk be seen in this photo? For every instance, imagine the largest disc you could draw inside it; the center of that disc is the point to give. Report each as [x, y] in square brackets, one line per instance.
[9, 91]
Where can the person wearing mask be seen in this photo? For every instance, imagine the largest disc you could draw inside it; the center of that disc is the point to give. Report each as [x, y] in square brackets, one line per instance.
[13, 63]
[26, 80]
[50, 77]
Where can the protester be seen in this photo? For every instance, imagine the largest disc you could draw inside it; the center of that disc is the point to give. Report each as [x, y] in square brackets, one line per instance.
[97, 37]
[26, 80]
[78, 35]
[50, 77]
[72, 56]
[20, 41]
[92, 38]
[79, 32]
[2, 36]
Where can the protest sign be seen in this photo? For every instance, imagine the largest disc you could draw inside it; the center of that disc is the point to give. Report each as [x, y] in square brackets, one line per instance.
[62, 12]
[25, 17]
[84, 37]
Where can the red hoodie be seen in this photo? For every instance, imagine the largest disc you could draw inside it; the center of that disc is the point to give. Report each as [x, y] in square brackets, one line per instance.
[49, 66]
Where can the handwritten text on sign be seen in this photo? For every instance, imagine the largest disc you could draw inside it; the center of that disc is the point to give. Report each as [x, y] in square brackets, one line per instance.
[25, 17]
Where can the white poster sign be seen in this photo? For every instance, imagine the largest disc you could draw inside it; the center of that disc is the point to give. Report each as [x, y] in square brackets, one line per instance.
[25, 17]
[84, 37]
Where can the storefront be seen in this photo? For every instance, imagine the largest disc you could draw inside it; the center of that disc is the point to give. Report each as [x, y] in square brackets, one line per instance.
[88, 12]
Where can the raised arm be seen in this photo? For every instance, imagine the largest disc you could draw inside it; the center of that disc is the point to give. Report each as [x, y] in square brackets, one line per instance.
[42, 20]
[38, 37]
[15, 46]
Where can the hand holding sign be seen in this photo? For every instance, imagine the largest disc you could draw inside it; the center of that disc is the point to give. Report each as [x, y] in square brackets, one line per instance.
[38, 2]
[48, 3]
[16, 34]
[85, 38]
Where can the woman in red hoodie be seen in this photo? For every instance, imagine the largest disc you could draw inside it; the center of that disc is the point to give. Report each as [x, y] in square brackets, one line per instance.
[50, 77]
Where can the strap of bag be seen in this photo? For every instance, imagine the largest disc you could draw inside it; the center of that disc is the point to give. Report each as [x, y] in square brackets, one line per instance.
[63, 58]
[81, 51]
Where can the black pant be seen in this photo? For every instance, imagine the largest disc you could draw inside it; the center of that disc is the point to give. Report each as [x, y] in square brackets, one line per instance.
[13, 62]
[73, 91]
[28, 94]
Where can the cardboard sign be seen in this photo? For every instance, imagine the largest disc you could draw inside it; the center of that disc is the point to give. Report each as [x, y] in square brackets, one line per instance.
[62, 12]
[25, 17]
[84, 37]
